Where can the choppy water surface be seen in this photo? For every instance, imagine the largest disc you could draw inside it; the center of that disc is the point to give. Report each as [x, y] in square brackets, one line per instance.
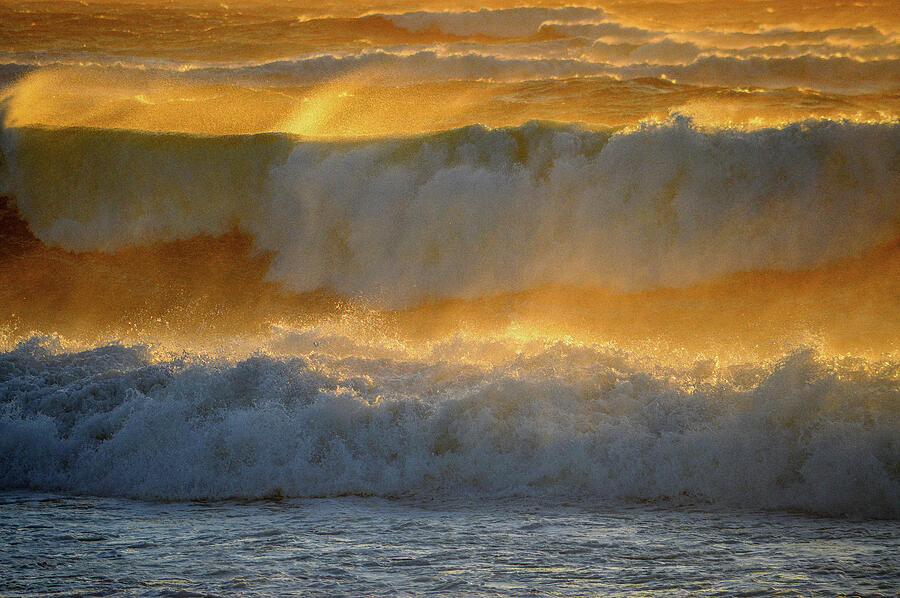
[71, 545]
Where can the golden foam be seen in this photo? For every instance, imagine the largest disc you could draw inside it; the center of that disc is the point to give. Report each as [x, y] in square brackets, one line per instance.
[198, 292]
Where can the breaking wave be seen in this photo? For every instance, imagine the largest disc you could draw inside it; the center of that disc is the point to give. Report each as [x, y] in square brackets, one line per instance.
[803, 432]
[475, 211]
[681, 61]
[669, 311]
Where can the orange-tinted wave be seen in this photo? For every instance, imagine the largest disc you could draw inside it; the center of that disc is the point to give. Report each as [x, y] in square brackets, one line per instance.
[207, 287]
[475, 212]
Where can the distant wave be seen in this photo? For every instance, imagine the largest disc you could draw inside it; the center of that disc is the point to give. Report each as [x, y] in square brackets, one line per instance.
[498, 44]
[805, 71]
[801, 433]
[508, 22]
[475, 211]
[681, 61]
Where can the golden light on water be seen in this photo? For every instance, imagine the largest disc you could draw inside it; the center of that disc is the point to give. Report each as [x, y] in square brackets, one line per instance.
[747, 64]
[339, 71]
[353, 106]
[198, 291]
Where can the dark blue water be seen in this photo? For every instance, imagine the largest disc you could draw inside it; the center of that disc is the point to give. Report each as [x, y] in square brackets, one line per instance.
[63, 545]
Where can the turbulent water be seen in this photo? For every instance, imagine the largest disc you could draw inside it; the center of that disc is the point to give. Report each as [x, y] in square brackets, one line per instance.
[573, 422]
[377, 547]
[633, 258]
[473, 211]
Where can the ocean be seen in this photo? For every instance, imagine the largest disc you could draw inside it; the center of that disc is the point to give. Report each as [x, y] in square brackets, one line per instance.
[371, 546]
[428, 298]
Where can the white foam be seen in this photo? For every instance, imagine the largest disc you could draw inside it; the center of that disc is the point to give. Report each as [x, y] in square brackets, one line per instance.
[808, 433]
[476, 211]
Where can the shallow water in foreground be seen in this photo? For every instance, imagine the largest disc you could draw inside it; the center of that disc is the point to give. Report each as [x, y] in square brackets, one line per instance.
[64, 545]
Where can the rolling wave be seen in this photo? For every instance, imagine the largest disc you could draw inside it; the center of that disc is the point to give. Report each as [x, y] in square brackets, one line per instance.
[803, 432]
[475, 211]
[679, 61]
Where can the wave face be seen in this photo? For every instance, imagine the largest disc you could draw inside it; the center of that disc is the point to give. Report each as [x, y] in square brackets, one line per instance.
[476, 211]
[803, 432]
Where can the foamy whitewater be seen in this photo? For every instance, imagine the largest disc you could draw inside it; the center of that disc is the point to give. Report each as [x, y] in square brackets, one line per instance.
[474, 211]
[566, 422]
[330, 299]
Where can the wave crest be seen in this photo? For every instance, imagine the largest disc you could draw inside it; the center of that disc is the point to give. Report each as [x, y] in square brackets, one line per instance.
[802, 432]
[476, 211]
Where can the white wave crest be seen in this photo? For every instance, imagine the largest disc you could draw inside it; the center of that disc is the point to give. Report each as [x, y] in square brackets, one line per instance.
[799, 433]
[476, 211]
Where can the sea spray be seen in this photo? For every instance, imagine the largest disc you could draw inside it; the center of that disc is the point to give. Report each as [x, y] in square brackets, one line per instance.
[476, 211]
[587, 422]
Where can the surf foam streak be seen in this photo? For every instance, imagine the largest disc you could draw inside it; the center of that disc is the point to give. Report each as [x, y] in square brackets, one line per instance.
[510, 22]
[567, 421]
[475, 211]
[827, 74]
[668, 51]
[666, 59]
